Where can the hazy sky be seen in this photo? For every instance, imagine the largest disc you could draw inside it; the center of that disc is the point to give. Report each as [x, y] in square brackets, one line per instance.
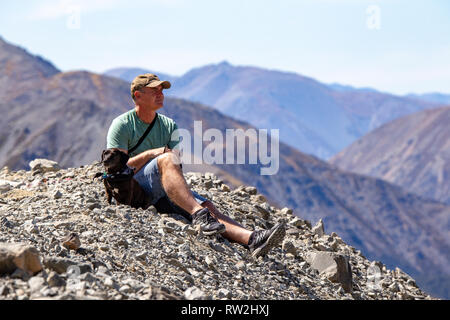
[391, 45]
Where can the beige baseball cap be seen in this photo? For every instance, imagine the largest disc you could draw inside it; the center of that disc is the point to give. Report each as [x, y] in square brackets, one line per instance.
[147, 80]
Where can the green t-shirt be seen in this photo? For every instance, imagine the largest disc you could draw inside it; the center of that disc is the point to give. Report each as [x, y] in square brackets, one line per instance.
[126, 130]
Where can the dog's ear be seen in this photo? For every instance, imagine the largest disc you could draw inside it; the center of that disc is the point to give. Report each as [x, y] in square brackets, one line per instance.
[103, 154]
[124, 158]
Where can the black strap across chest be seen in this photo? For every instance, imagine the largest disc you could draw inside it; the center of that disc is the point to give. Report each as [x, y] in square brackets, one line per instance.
[150, 126]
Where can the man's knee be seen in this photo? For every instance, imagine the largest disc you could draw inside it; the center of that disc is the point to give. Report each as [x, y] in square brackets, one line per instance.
[167, 160]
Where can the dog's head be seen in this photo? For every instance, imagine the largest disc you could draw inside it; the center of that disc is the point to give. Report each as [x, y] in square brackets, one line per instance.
[114, 160]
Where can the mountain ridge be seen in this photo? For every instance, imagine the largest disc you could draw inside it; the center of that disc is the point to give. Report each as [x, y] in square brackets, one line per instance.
[316, 118]
[311, 187]
[411, 152]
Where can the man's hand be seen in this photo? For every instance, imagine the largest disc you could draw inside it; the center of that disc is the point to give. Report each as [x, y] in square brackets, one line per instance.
[141, 159]
[176, 151]
[137, 162]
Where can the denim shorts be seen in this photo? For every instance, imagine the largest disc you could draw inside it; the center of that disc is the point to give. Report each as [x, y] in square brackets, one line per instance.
[149, 179]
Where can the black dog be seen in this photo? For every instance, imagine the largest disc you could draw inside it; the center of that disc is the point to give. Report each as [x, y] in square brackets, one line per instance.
[119, 182]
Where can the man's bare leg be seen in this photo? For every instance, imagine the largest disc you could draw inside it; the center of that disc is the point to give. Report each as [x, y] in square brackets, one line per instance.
[178, 191]
[234, 231]
[174, 184]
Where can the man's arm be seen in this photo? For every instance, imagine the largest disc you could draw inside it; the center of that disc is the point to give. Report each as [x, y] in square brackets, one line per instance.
[142, 158]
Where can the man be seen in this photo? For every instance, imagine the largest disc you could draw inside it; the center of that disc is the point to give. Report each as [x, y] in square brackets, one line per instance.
[156, 162]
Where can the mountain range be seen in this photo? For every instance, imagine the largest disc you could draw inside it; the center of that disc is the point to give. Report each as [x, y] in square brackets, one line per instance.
[435, 97]
[313, 117]
[65, 116]
[128, 74]
[413, 152]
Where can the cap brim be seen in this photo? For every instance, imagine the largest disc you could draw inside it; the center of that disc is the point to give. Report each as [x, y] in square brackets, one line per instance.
[165, 84]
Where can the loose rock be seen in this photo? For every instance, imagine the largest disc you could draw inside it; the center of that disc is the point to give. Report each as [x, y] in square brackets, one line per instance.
[72, 241]
[19, 255]
[334, 267]
[124, 256]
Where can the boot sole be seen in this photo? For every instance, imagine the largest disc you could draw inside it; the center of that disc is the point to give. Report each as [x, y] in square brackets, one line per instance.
[274, 239]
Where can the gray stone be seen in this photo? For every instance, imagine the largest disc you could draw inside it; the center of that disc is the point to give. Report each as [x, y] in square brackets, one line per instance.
[57, 194]
[319, 228]
[4, 187]
[194, 293]
[263, 210]
[141, 255]
[6, 223]
[240, 265]
[176, 263]
[216, 246]
[125, 288]
[48, 292]
[4, 290]
[54, 280]
[102, 270]
[88, 277]
[286, 211]
[32, 228]
[334, 267]
[224, 293]
[251, 190]
[210, 176]
[289, 247]
[60, 265]
[208, 184]
[44, 165]
[155, 293]
[36, 283]
[297, 222]
[210, 262]
[111, 283]
[20, 274]
[19, 255]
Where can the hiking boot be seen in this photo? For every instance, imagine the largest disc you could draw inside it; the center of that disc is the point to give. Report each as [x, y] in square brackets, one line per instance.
[263, 240]
[208, 224]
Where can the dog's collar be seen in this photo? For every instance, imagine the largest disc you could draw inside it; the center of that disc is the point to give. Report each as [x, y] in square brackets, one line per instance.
[126, 174]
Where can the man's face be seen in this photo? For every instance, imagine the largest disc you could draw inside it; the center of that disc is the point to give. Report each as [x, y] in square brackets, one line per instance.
[152, 98]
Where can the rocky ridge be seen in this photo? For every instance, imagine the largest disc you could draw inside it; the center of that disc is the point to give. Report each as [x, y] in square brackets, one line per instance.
[126, 253]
